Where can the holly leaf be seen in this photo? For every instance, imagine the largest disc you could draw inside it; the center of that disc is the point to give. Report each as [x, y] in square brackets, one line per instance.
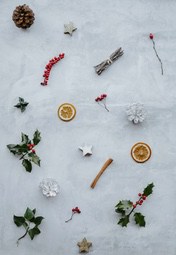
[28, 214]
[27, 164]
[13, 148]
[148, 190]
[24, 138]
[34, 158]
[19, 221]
[33, 232]
[34, 211]
[123, 205]
[36, 137]
[124, 221]
[139, 219]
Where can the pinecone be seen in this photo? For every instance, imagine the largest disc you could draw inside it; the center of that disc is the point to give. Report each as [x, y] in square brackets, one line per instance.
[23, 16]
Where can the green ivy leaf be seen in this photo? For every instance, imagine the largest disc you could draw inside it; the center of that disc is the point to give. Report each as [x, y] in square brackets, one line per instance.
[34, 158]
[36, 137]
[148, 190]
[27, 164]
[139, 219]
[124, 221]
[19, 221]
[28, 214]
[33, 232]
[38, 220]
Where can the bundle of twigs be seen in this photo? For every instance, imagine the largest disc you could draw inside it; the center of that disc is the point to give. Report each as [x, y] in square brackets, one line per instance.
[105, 64]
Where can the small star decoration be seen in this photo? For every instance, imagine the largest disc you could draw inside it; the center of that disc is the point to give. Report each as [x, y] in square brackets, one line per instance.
[69, 28]
[86, 149]
[84, 245]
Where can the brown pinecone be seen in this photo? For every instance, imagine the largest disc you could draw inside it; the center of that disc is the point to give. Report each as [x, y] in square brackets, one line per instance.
[23, 16]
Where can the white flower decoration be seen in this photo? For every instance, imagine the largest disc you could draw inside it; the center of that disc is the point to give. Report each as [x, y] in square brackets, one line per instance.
[136, 113]
[50, 187]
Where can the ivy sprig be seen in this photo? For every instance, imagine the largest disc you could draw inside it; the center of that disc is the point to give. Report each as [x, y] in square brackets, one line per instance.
[22, 104]
[25, 150]
[26, 221]
[126, 208]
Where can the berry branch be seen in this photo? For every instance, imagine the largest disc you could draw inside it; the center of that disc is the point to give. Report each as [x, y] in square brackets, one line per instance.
[151, 36]
[126, 208]
[48, 68]
[74, 210]
[101, 100]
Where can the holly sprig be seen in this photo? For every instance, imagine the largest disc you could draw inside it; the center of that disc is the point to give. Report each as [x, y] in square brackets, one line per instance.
[25, 150]
[126, 208]
[22, 104]
[26, 221]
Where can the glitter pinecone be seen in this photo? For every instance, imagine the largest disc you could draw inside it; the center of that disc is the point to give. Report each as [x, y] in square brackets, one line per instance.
[23, 16]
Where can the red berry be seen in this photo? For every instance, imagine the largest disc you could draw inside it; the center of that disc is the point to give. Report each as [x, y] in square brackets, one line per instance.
[144, 197]
[104, 95]
[134, 205]
[139, 194]
[33, 151]
[151, 36]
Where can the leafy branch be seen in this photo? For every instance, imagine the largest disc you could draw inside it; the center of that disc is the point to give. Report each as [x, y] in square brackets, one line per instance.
[126, 208]
[22, 104]
[25, 150]
[25, 221]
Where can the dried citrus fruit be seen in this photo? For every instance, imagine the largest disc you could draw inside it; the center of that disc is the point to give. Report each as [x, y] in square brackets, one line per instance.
[141, 152]
[66, 112]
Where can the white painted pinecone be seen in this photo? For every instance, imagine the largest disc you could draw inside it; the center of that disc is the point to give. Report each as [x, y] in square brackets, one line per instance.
[49, 187]
[136, 113]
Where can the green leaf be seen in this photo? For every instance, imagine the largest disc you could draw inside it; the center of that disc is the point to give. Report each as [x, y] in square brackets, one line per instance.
[124, 221]
[36, 137]
[24, 138]
[148, 190]
[38, 220]
[28, 214]
[34, 211]
[12, 148]
[34, 158]
[117, 210]
[19, 221]
[33, 232]
[139, 219]
[22, 104]
[124, 205]
[27, 164]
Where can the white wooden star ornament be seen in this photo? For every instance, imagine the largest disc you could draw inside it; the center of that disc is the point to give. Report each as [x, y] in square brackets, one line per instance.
[86, 149]
[69, 28]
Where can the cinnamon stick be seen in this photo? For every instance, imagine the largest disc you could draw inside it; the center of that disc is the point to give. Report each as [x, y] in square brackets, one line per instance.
[106, 164]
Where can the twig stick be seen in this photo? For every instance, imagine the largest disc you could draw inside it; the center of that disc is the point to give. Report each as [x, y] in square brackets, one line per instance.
[158, 57]
[106, 164]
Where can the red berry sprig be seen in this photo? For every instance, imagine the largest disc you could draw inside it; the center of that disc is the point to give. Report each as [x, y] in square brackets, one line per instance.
[101, 100]
[30, 147]
[74, 210]
[125, 208]
[151, 36]
[48, 67]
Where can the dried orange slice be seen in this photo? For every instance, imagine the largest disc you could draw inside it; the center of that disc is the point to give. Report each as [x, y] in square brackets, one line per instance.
[66, 112]
[141, 152]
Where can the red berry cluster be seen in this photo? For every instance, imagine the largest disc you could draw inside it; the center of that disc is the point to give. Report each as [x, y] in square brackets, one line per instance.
[76, 210]
[103, 96]
[48, 67]
[151, 36]
[30, 147]
[140, 201]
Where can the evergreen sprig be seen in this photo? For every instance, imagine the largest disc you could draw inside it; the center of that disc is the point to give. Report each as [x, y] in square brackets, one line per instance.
[22, 104]
[126, 208]
[25, 150]
[26, 220]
